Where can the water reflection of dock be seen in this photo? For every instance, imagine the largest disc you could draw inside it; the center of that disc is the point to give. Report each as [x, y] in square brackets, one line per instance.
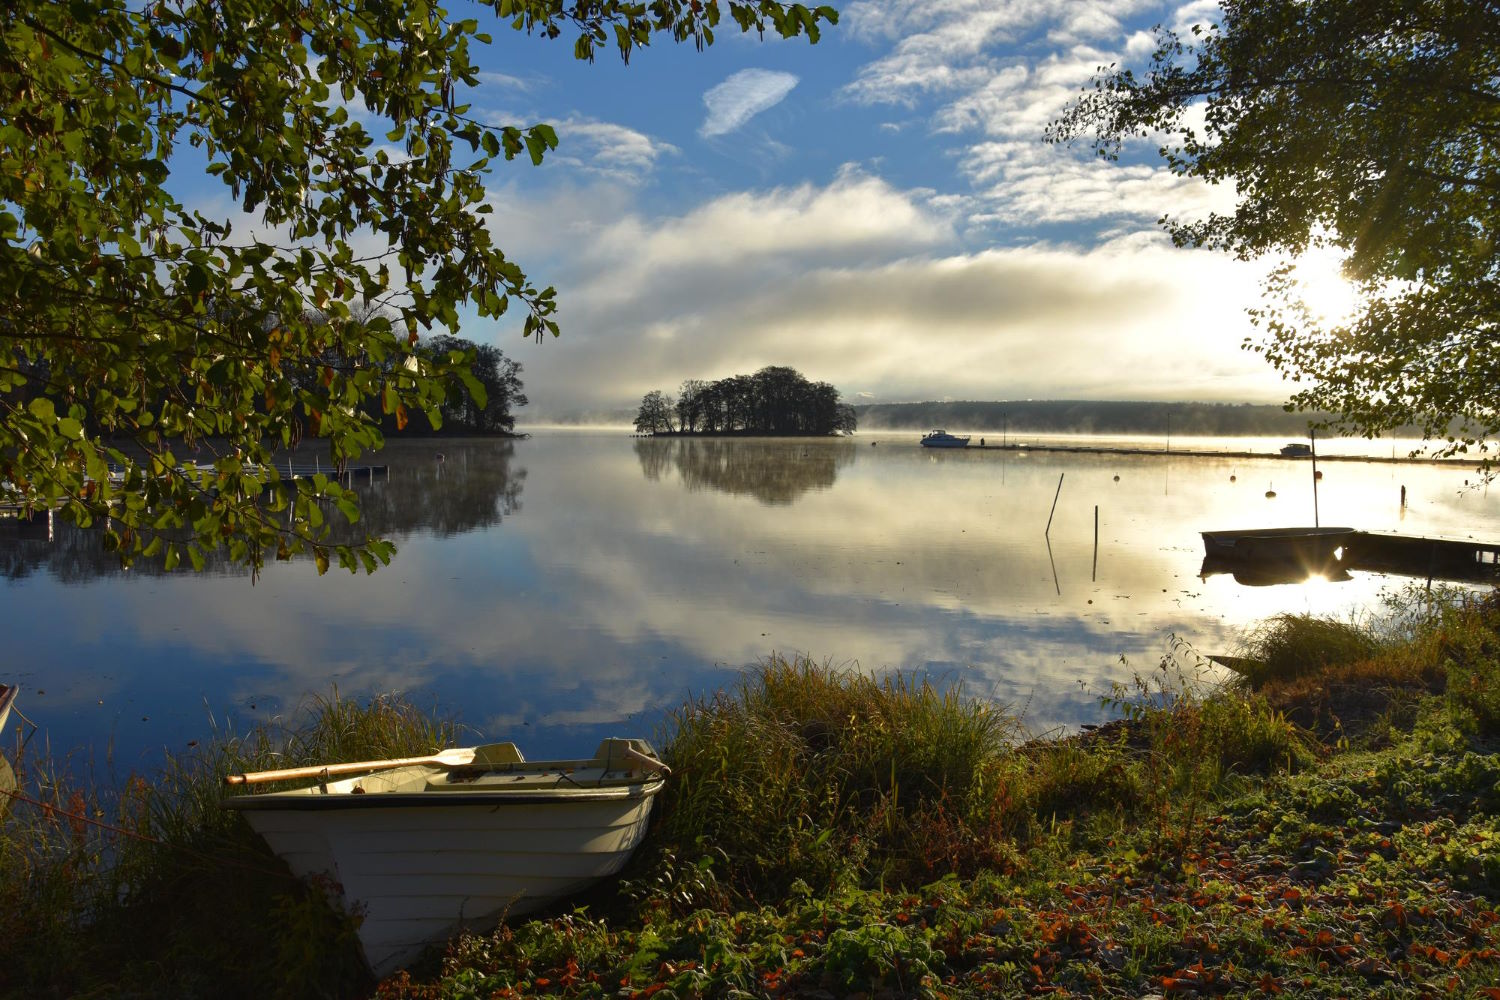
[15, 522]
[1437, 558]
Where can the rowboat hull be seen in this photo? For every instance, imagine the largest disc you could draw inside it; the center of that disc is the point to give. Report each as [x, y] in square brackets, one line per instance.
[419, 856]
[7, 772]
[1311, 547]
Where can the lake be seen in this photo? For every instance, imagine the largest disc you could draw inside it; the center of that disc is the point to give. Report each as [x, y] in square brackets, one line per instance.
[583, 583]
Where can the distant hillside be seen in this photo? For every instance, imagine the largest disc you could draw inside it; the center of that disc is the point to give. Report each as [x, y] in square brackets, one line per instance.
[1087, 417]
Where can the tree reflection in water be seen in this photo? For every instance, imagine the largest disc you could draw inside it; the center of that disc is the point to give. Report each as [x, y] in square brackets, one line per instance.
[473, 486]
[773, 471]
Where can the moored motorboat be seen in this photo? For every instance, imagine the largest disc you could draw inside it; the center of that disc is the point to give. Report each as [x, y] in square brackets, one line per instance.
[423, 846]
[942, 439]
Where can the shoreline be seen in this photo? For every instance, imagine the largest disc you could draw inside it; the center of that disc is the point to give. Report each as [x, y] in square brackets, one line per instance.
[1217, 453]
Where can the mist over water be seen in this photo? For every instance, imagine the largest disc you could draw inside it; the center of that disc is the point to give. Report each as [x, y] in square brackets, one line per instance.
[582, 583]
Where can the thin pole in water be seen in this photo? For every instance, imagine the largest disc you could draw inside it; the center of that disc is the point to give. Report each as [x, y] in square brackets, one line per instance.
[1313, 436]
[1048, 532]
[1095, 576]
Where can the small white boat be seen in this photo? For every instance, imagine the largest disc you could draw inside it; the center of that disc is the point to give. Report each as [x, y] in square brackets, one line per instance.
[7, 773]
[942, 439]
[423, 846]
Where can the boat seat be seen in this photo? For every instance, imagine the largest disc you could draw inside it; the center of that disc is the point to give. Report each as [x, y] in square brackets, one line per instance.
[487, 758]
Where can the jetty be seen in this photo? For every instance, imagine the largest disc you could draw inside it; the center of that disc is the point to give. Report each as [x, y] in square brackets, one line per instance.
[1285, 555]
[1269, 456]
[1435, 558]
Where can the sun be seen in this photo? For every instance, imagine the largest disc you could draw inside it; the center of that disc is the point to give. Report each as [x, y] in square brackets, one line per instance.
[1321, 287]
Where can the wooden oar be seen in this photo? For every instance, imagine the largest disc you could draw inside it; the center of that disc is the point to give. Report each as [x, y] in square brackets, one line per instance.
[489, 753]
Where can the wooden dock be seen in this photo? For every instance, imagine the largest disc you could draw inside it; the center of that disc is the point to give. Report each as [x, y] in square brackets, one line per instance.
[1434, 558]
[1286, 555]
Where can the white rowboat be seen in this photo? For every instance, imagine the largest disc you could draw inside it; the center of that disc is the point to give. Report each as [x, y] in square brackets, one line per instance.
[7, 773]
[420, 850]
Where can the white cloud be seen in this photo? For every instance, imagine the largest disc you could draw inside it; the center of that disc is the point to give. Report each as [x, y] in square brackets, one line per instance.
[863, 285]
[1197, 13]
[855, 221]
[743, 96]
[505, 80]
[952, 45]
[1024, 183]
[609, 149]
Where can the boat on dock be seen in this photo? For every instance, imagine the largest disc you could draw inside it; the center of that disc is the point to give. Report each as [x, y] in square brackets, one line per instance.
[422, 847]
[942, 439]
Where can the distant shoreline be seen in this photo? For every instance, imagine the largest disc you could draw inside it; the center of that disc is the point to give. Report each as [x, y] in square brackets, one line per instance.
[1169, 453]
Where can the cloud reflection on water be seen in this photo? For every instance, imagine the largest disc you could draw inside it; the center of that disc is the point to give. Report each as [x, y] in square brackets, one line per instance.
[610, 594]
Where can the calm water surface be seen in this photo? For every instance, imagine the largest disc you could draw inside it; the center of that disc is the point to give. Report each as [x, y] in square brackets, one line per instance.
[580, 584]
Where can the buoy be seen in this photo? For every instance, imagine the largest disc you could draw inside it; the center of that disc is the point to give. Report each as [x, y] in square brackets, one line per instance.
[1117, 479]
[1270, 494]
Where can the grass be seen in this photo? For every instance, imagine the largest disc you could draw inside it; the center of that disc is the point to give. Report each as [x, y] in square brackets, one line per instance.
[826, 833]
[155, 891]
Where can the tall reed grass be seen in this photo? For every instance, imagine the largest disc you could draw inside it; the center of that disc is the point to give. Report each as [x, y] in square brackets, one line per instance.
[807, 772]
[831, 777]
[153, 890]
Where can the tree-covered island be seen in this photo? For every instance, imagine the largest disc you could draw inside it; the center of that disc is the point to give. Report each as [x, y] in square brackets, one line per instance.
[775, 401]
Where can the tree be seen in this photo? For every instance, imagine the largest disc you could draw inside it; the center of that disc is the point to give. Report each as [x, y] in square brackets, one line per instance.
[1371, 127]
[140, 337]
[690, 404]
[497, 375]
[775, 400]
[655, 414]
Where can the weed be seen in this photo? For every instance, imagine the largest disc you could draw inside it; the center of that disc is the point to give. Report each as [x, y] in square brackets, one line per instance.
[153, 889]
[1290, 646]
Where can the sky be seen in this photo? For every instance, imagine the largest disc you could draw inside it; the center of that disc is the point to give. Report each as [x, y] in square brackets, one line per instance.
[879, 211]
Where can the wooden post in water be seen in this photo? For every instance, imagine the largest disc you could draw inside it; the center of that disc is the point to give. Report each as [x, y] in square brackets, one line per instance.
[1048, 532]
[1095, 576]
[1313, 436]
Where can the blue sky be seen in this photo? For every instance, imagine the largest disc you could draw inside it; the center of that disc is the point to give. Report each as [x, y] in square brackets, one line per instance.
[879, 211]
